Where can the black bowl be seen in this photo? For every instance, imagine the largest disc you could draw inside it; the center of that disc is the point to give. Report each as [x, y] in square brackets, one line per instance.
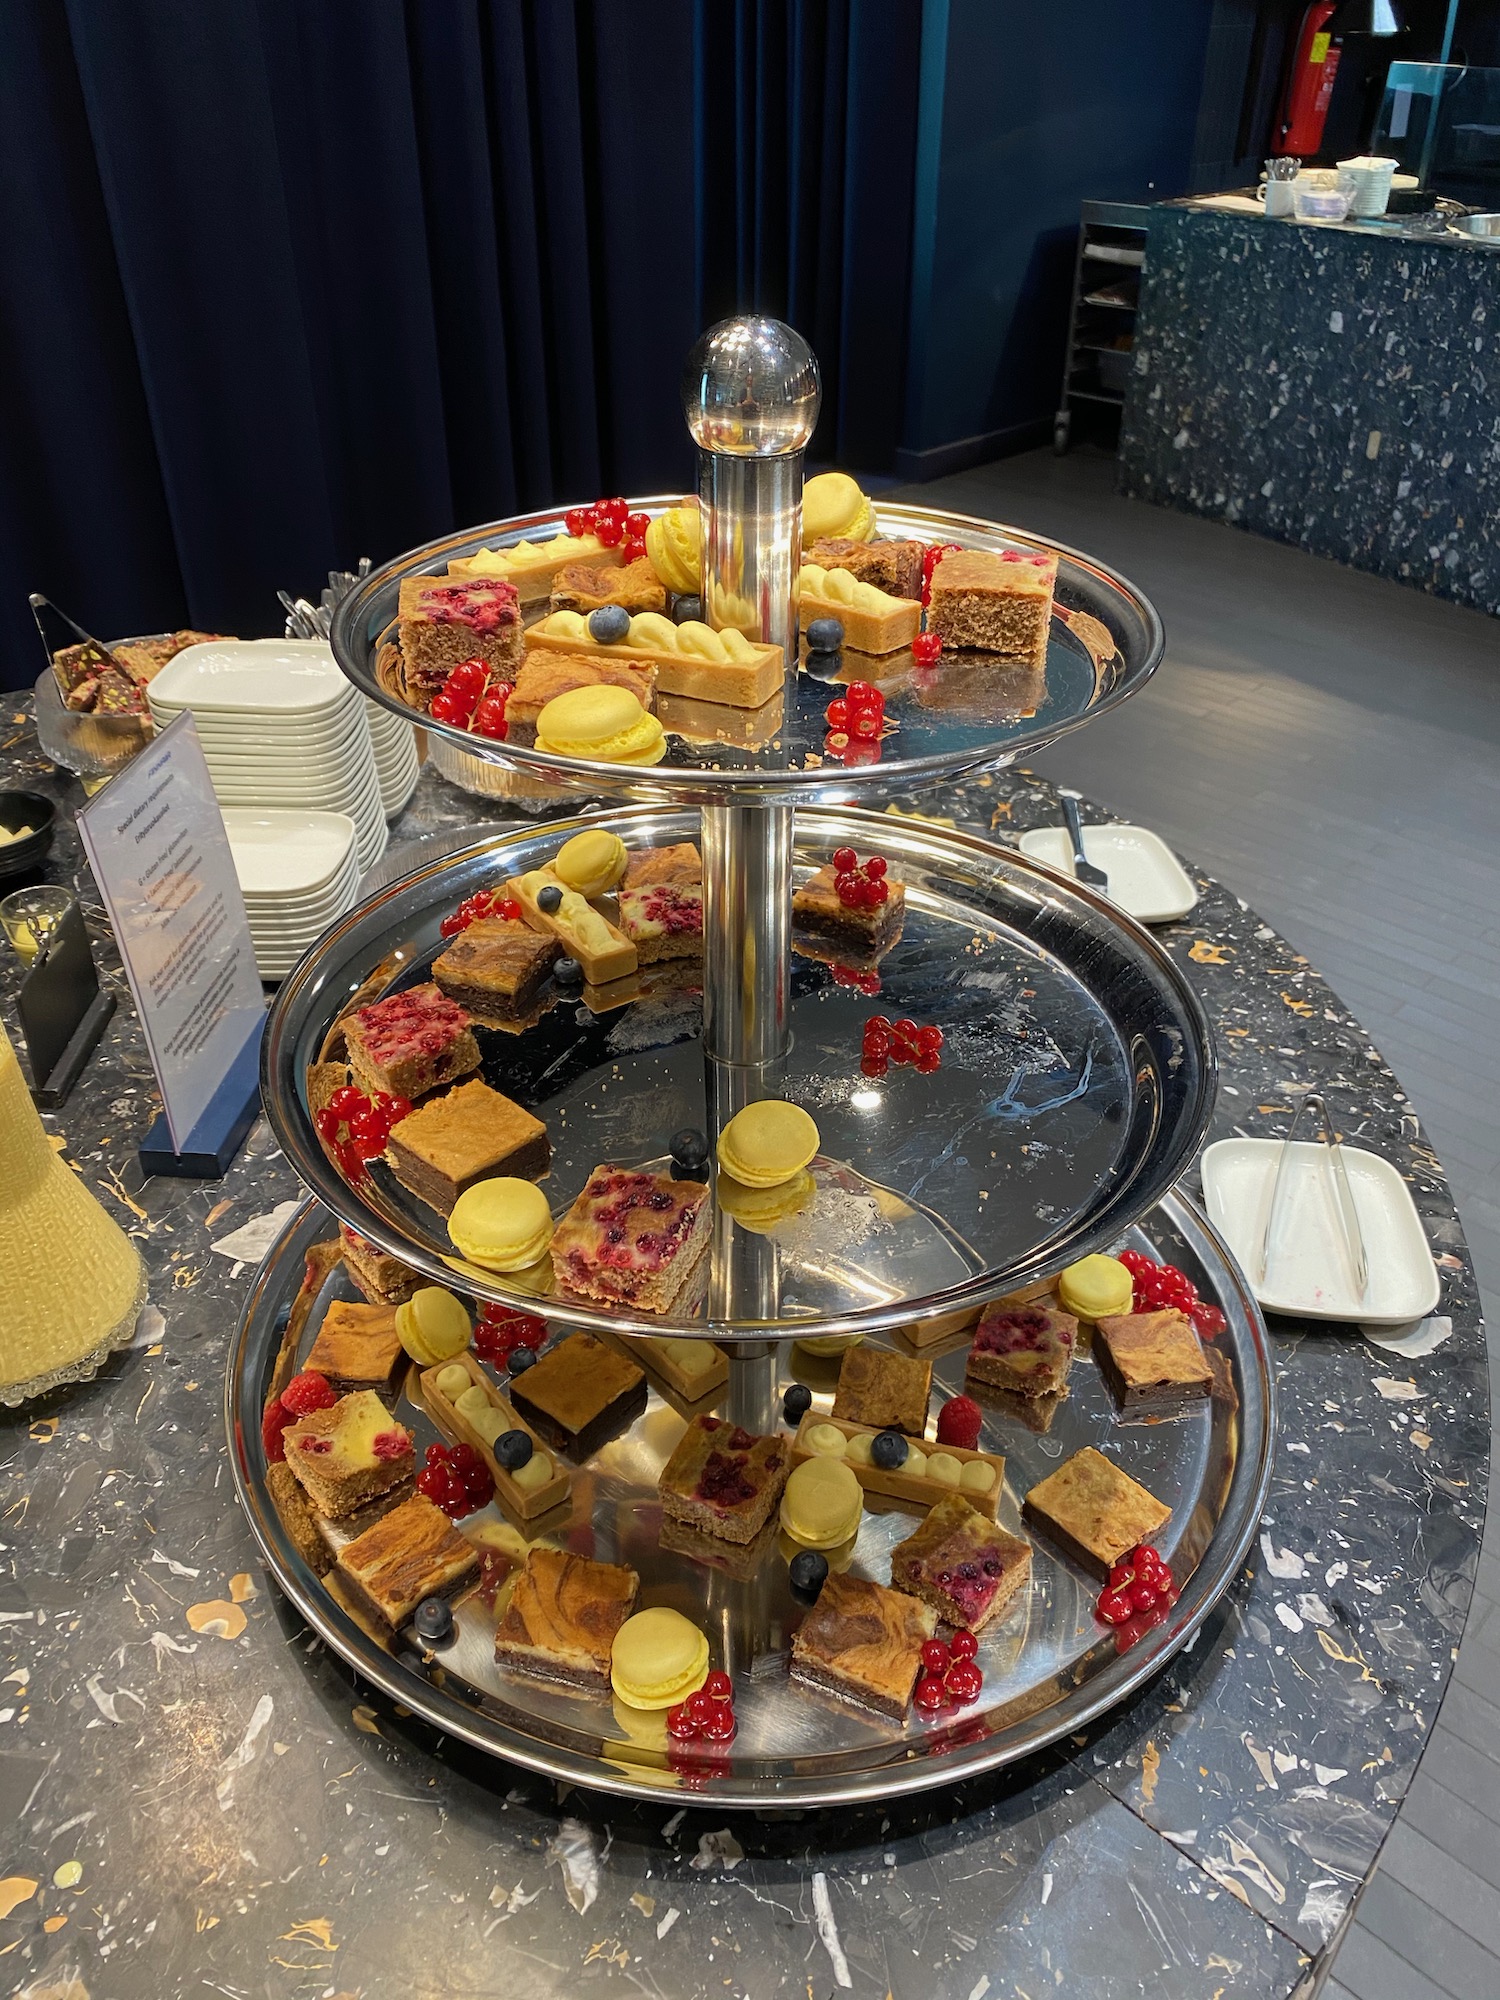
[19, 857]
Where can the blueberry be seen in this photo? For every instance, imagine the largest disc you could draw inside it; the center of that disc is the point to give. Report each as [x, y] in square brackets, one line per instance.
[809, 1573]
[568, 972]
[796, 1403]
[889, 1451]
[689, 1150]
[825, 635]
[434, 1621]
[609, 623]
[687, 610]
[549, 899]
[513, 1449]
[823, 666]
[520, 1359]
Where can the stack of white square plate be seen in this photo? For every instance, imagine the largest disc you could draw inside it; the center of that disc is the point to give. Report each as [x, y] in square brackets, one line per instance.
[298, 873]
[280, 726]
[396, 762]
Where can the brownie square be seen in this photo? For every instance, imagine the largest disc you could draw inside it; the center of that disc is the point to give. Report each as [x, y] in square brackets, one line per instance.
[496, 967]
[885, 1391]
[1153, 1361]
[410, 1553]
[895, 567]
[586, 586]
[1094, 1511]
[580, 1394]
[384, 1279]
[470, 1135]
[859, 935]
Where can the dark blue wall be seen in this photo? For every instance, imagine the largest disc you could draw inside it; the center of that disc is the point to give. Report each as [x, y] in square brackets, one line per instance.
[1028, 109]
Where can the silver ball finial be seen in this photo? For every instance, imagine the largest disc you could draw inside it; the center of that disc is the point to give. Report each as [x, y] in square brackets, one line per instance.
[751, 388]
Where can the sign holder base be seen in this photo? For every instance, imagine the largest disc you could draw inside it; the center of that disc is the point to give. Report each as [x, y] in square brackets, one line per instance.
[220, 1132]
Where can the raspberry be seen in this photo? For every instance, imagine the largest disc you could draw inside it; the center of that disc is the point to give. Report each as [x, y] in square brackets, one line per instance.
[959, 1421]
[305, 1393]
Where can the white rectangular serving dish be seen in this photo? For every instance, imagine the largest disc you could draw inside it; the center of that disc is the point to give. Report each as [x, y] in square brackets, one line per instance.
[1146, 879]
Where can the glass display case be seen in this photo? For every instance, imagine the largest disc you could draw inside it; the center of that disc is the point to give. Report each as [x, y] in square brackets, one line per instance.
[1441, 121]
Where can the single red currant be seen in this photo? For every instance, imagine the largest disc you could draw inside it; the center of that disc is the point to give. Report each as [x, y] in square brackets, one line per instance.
[1209, 1321]
[931, 1693]
[719, 1687]
[963, 1645]
[963, 1680]
[682, 1724]
[1142, 1596]
[927, 649]
[1114, 1606]
[866, 724]
[872, 1064]
[397, 1109]
[845, 860]
[936, 1657]
[579, 520]
[876, 866]
[616, 509]
[611, 533]
[719, 1725]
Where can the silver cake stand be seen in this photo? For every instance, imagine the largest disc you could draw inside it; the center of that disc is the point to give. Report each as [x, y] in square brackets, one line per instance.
[1076, 1085]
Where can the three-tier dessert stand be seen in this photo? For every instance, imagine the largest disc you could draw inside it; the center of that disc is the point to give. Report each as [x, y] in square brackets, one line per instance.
[1076, 1085]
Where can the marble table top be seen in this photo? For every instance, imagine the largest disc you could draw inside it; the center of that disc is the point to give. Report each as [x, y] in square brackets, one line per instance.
[197, 1797]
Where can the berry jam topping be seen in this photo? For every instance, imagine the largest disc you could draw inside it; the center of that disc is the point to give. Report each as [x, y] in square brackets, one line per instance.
[318, 1446]
[722, 1482]
[483, 607]
[387, 1445]
[415, 1023]
[673, 912]
[1026, 1330]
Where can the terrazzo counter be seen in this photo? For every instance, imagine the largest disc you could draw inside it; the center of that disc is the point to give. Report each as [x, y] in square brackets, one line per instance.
[1330, 387]
[198, 1797]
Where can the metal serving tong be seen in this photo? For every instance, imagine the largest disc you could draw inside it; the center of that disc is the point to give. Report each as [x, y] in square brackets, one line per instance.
[305, 620]
[1348, 1214]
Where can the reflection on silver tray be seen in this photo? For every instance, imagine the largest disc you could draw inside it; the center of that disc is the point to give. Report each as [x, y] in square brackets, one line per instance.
[1049, 1666]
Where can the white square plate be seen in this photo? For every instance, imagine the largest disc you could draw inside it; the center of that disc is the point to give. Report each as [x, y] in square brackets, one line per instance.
[291, 675]
[1309, 1276]
[1146, 879]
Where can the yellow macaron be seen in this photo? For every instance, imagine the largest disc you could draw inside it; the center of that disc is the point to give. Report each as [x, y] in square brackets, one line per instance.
[591, 862]
[760, 1209]
[673, 545]
[833, 505]
[767, 1143]
[658, 1659]
[822, 1503]
[432, 1326]
[501, 1225]
[605, 724]
[1096, 1287]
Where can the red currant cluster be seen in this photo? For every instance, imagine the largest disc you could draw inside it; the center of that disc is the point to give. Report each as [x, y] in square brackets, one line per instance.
[472, 698]
[927, 649]
[707, 1716]
[487, 903]
[902, 1041]
[859, 887]
[951, 1674]
[859, 711]
[612, 523]
[863, 979]
[931, 557]
[456, 1479]
[356, 1128]
[305, 1393]
[1163, 1288]
[500, 1332]
[1140, 1583]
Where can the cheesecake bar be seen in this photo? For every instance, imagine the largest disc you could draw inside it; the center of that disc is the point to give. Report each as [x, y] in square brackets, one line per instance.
[1153, 1362]
[859, 934]
[663, 920]
[961, 1564]
[357, 1347]
[723, 1480]
[465, 1405]
[349, 1454]
[585, 587]
[679, 864]
[1026, 1349]
[562, 1618]
[298, 1518]
[873, 620]
[604, 952]
[410, 1553]
[633, 1239]
[994, 603]
[883, 1390]
[690, 659]
[384, 1279]
[410, 1042]
[441, 622]
[496, 968]
[533, 567]
[863, 1643]
[471, 1134]
[544, 676]
[1094, 1511]
[894, 567]
[580, 1394]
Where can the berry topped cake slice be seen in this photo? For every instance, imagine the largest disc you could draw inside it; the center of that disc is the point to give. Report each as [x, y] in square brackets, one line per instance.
[410, 1042]
[961, 1564]
[723, 1480]
[349, 1453]
[663, 920]
[443, 622]
[1026, 1349]
[858, 908]
[633, 1239]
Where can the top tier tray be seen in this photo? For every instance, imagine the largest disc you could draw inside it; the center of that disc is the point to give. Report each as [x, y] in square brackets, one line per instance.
[969, 717]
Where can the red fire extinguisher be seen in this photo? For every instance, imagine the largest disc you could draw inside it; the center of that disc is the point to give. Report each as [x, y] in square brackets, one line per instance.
[1309, 87]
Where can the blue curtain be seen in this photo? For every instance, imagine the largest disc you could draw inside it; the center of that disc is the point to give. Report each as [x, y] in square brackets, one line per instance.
[285, 282]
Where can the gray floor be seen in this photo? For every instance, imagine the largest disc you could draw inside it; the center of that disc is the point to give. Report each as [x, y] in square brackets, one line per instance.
[1328, 745]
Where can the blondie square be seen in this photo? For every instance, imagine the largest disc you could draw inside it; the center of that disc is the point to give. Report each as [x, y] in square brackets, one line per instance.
[1094, 1511]
[633, 1239]
[470, 1135]
[441, 622]
[357, 1347]
[562, 1618]
[349, 1454]
[885, 1391]
[995, 603]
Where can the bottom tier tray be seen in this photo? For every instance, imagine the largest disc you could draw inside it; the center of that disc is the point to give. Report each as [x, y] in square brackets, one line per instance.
[1048, 1664]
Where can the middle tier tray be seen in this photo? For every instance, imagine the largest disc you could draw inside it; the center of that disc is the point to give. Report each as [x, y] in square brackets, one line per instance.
[1076, 1080]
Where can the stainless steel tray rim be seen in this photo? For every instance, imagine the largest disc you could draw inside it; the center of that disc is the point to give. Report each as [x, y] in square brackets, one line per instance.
[281, 1098]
